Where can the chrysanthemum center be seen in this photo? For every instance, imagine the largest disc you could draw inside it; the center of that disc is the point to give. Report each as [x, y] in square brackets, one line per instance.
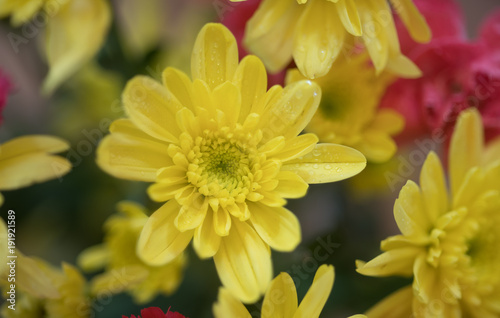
[223, 164]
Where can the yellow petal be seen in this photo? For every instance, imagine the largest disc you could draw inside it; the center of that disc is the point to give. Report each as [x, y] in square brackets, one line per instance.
[222, 221]
[348, 13]
[131, 157]
[215, 55]
[160, 241]
[388, 121]
[32, 144]
[31, 278]
[396, 305]
[206, 241]
[251, 79]
[291, 185]
[403, 67]
[425, 281]
[292, 111]
[281, 298]
[152, 108]
[433, 185]
[327, 163]
[393, 262]
[179, 84]
[377, 146]
[73, 37]
[243, 263]
[28, 169]
[269, 32]
[93, 258]
[466, 146]
[161, 192]
[228, 306]
[227, 98]
[20, 11]
[374, 37]
[413, 20]
[277, 226]
[318, 40]
[118, 280]
[192, 214]
[317, 295]
[138, 25]
[409, 211]
[296, 147]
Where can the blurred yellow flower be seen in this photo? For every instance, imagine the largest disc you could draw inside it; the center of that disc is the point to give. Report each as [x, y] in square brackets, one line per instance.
[315, 33]
[27, 160]
[281, 298]
[449, 242]
[224, 153]
[66, 300]
[348, 113]
[124, 270]
[75, 31]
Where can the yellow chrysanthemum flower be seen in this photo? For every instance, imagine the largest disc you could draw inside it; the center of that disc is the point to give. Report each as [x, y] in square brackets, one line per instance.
[224, 153]
[348, 113]
[449, 242]
[281, 298]
[75, 31]
[315, 33]
[124, 270]
[67, 300]
[28, 159]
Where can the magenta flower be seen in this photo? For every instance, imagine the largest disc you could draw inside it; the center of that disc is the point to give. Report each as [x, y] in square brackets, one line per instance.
[457, 74]
[155, 312]
[5, 87]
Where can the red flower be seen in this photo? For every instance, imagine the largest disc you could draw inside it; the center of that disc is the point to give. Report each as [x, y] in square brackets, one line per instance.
[155, 312]
[457, 74]
[4, 90]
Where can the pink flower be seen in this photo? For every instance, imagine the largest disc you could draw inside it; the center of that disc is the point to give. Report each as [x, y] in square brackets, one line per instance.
[155, 312]
[457, 74]
[235, 16]
[5, 87]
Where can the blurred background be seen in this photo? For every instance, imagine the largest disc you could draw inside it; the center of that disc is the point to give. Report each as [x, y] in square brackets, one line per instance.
[56, 220]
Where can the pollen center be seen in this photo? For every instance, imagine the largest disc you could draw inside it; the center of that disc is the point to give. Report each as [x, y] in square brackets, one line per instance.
[223, 164]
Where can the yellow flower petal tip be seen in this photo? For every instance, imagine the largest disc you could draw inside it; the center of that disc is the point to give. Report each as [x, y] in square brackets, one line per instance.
[448, 239]
[316, 33]
[29, 159]
[73, 37]
[225, 154]
[287, 304]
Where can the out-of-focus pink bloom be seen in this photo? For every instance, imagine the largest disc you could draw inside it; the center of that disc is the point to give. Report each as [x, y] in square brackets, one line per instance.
[4, 91]
[155, 312]
[457, 74]
[235, 16]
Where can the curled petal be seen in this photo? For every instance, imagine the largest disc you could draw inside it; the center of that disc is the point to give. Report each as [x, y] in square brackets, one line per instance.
[160, 240]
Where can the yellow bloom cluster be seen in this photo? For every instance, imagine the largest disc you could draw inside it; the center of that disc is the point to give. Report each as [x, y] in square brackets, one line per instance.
[124, 270]
[316, 32]
[450, 241]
